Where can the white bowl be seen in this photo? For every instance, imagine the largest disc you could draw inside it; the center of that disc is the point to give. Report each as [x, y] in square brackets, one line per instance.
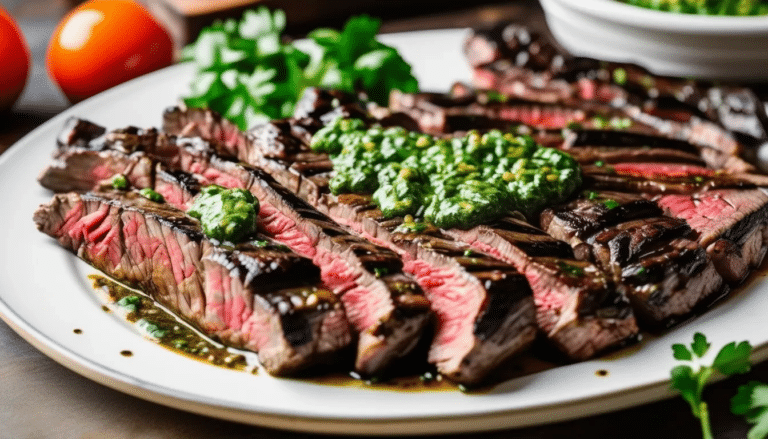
[711, 47]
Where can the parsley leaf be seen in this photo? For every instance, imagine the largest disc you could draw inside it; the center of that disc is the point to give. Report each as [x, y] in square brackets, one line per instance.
[244, 70]
[700, 346]
[247, 73]
[751, 401]
[733, 358]
[681, 352]
[690, 381]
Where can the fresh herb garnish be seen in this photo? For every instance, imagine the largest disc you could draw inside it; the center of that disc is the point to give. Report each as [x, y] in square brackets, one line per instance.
[458, 182]
[690, 380]
[246, 72]
[380, 271]
[751, 401]
[570, 270]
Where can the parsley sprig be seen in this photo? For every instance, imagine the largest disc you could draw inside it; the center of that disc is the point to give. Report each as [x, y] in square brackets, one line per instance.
[751, 401]
[690, 380]
[248, 73]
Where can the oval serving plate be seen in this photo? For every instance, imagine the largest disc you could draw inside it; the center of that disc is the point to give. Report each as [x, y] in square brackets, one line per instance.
[45, 294]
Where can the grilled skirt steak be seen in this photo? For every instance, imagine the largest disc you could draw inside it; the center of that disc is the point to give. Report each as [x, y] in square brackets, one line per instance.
[577, 305]
[484, 307]
[512, 59]
[730, 224]
[386, 308]
[265, 299]
[665, 274]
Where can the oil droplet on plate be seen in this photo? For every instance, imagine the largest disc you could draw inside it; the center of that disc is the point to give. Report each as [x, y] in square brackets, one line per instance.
[77, 331]
[126, 353]
[601, 373]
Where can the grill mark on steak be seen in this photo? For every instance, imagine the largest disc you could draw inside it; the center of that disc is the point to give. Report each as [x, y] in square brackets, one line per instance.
[577, 306]
[484, 309]
[730, 224]
[264, 299]
[387, 308]
[680, 109]
[438, 114]
[526, 62]
[665, 274]
[470, 341]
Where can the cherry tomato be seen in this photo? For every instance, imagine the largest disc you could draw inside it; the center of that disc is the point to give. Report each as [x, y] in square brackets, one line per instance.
[102, 43]
[14, 59]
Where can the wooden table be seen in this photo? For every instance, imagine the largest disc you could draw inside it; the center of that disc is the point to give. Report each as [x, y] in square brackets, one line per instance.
[41, 399]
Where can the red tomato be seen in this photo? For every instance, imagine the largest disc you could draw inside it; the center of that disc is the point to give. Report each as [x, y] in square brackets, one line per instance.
[14, 59]
[102, 43]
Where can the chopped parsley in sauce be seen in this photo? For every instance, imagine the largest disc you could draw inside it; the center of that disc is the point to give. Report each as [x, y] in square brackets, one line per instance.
[151, 195]
[710, 7]
[228, 215]
[458, 182]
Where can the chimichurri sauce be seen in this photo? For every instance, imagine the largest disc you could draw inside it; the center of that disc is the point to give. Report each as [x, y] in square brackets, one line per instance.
[163, 327]
[228, 215]
[458, 182]
[710, 7]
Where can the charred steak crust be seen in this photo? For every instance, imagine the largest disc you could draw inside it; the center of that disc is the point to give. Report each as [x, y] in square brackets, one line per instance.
[358, 212]
[598, 316]
[266, 299]
[386, 307]
[666, 275]
[460, 352]
[513, 59]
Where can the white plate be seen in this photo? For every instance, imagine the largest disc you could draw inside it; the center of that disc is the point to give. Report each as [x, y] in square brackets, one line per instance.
[44, 295]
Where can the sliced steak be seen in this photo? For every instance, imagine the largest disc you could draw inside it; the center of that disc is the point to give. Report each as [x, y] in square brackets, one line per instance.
[730, 224]
[512, 57]
[386, 307]
[484, 309]
[594, 124]
[485, 312]
[577, 306]
[261, 298]
[665, 274]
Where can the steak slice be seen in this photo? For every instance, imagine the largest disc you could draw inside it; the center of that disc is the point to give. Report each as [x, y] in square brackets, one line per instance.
[594, 124]
[386, 307]
[484, 309]
[665, 274]
[521, 62]
[731, 224]
[265, 299]
[577, 306]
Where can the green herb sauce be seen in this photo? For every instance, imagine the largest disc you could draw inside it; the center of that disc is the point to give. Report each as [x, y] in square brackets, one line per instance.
[705, 7]
[151, 195]
[164, 328]
[227, 215]
[459, 182]
[119, 182]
